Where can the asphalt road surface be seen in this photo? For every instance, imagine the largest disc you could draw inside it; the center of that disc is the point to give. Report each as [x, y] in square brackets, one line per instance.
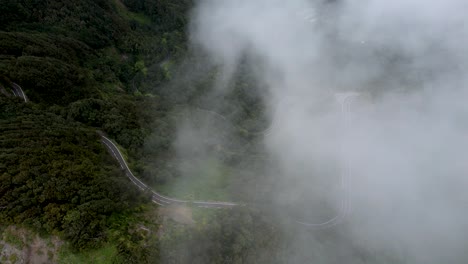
[156, 197]
[344, 100]
[18, 92]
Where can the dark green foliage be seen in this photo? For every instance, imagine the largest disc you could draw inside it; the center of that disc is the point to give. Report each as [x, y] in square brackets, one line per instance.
[89, 44]
[60, 70]
[168, 15]
[57, 177]
[118, 117]
[93, 22]
[65, 49]
[51, 80]
[50, 68]
[106, 65]
[14, 12]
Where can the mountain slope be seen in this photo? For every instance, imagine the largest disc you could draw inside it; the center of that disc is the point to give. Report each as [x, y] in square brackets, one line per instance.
[57, 177]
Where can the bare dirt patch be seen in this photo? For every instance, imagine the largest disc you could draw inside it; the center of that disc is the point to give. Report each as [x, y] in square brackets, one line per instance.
[18, 245]
[179, 214]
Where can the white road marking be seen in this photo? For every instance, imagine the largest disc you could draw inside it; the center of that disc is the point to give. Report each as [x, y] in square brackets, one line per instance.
[22, 95]
[345, 206]
[156, 202]
[110, 145]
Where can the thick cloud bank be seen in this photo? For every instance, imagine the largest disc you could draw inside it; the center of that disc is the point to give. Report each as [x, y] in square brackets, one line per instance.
[402, 143]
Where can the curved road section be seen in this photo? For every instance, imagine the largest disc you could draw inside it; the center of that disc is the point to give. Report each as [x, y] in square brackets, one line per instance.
[18, 92]
[162, 200]
[344, 100]
[156, 197]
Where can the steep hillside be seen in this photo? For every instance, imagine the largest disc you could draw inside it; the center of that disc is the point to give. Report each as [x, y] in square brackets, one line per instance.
[57, 177]
[124, 68]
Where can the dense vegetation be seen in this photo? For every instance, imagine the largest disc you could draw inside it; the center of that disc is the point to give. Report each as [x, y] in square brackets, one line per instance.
[82, 45]
[56, 177]
[119, 67]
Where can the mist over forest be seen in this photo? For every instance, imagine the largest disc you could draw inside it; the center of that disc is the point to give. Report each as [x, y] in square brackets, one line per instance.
[246, 131]
[391, 163]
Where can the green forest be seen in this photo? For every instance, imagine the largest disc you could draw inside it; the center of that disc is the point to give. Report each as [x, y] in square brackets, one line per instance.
[117, 67]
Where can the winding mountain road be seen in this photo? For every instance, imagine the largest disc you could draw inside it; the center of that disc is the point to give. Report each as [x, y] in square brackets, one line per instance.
[345, 102]
[156, 197]
[115, 152]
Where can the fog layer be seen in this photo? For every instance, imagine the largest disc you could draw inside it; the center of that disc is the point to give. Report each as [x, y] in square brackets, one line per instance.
[401, 146]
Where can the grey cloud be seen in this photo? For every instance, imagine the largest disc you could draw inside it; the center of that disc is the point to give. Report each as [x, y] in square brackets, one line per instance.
[406, 144]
